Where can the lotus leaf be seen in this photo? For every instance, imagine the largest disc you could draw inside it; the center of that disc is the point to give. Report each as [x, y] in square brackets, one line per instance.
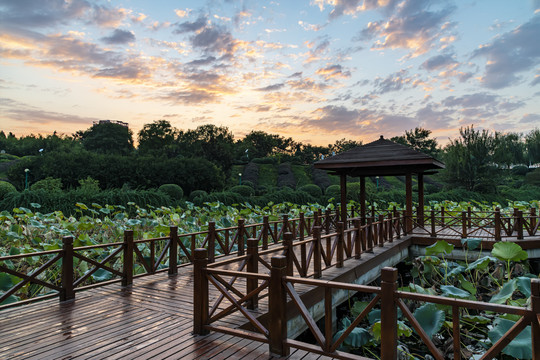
[430, 318]
[440, 247]
[508, 251]
[505, 292]
[520, 347]
[452, 291]
[403, 330]
[481, 264]
[524, 285]
[471, 244]
[357, 338]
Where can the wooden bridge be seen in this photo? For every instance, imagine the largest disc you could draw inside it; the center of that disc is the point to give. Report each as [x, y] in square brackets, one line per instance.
[249, 300]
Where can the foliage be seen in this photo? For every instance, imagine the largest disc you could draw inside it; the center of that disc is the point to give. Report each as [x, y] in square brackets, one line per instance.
[418, 139]
[320, 178]
[519, 347]
[89, 184]
[533, 177]
[174, 191]
[286, 176]
[244, 190]
[251, 173]
[107, 137]
[532, 143]
[48, 184]
[5, 188]
[312, 190]
[158, 138]
[196, 193]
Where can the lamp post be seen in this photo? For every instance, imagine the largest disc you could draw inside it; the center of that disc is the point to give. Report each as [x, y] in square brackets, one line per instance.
[376, 177]
[26, 171]
[239, 178]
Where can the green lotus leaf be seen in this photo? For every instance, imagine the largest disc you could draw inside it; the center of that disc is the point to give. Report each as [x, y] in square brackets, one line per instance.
[481, 264]
[430, 318]
[403, 330]
[102, 275]
[520, 347]
[456, 271]
[471, 244]
[508, 251]
[452, 291]
[357, 338]
[440, 247]
[504, 293]
[358, 307]
[476, 319]
[374, 316]
[467, 285]
[10, 299]
[524, 285]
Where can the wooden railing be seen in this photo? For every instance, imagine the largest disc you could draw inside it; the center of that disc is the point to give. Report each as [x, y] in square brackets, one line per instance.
[279, 284]
[61, 273]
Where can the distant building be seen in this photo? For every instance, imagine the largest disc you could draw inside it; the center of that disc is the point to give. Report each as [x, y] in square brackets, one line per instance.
[124, 124]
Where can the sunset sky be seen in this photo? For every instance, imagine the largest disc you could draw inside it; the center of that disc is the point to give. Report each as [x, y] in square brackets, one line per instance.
[315, 70]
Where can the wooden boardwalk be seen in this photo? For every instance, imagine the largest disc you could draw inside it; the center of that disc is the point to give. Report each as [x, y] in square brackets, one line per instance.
[150, 320]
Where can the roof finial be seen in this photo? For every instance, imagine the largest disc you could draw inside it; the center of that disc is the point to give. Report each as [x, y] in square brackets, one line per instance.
[381, 138]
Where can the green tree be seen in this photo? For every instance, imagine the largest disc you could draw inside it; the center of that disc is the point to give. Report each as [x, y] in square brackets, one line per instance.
[532, 142]
[259, 144]
[107, 137]
[419, 140]
[509, 149]
[343, 145]
[469, 160]
[158, 138]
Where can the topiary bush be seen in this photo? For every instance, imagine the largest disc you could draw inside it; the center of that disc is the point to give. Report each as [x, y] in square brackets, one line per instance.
[321, 178]
[196, 193]
[251, 174]
[265, 160]
[312, 190]
[174, 191]
[286, 176]
[533, 177]
[333, 191]
[244, 190]
[5, 188]
[48, 184]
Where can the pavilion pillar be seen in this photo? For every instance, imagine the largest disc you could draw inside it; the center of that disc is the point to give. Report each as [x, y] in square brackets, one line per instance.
[421, 199]
[408, 202]
[363, 200]
[343, 187]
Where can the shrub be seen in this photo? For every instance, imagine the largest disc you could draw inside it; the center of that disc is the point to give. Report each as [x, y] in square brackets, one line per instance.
[89, 184]
[196, 193]
[48, 184]
[6, 188]
[321, 178]
[312, 190]
[521, 170]
[251, 174]
[265, 160]
[174, 191]
[533, 177]
[286, 176]
[285, 195]
[333, 191]
[243, 190]
[225, 197]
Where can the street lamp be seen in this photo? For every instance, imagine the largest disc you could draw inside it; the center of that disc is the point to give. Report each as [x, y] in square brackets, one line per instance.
[376, 177]
[239, 178]
[26, 171]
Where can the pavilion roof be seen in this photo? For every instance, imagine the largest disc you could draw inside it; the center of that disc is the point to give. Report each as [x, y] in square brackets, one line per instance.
[380, 157]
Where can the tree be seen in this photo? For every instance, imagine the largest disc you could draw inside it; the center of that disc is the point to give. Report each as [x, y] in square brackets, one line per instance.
[158, 138]
[107, 137]
[532, 142]
[214, 143]
[508, 149]
[469, 160]
[343, 145]
[419, 140]
[259, 144]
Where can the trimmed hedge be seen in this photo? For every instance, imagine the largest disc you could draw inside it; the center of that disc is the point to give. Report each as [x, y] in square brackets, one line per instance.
[174, 191]
[6, 188]
[312, 190]
[244, 190]
[251, 174]
[321, 178]
[286, 176]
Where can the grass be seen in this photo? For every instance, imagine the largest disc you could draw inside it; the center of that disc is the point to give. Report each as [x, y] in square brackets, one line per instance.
[267, 175]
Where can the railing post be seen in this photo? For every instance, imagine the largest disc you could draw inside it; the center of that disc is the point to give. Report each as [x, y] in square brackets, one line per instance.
[252, 268]
[265, 230]
[519, 224]
[357, 239]
[200, 291]
[288, 244]
[390, 227]
[463, 224]
[67, 292]
[327, 221]
[381, 231]
[397, 219]
[533, 219]
[340, 243]
[285, 224]
[127, 278]
[433, 230]
[388, 314]
[497, 224]
[316, 218]
[369, 234]
[277, 298]
[212, 242]
[469, 217]
[317, 249]
[535, 325]
[303, 254]
[173, 251]
[240, 240]
[442, 216]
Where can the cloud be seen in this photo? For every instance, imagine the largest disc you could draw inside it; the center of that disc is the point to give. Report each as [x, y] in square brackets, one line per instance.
[191, 26]
[471, 101]
[309, 27]
[19, 111]
[31, 13]
[393, 82]
[333, 71]
[188, 97]
[530, 119]
[439, 62]
[204, 61]
[429, 117]
[411, 26]
[510, 54]
[119, 37]
[273, 87]
[316, 50]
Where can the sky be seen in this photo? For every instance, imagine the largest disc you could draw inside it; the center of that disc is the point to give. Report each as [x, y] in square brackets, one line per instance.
[313, 70]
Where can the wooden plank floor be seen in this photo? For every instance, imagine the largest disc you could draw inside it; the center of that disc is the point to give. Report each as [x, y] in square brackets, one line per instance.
[150, 320]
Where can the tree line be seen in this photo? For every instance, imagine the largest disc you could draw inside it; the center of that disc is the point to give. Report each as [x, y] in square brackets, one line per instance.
[202, 158]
